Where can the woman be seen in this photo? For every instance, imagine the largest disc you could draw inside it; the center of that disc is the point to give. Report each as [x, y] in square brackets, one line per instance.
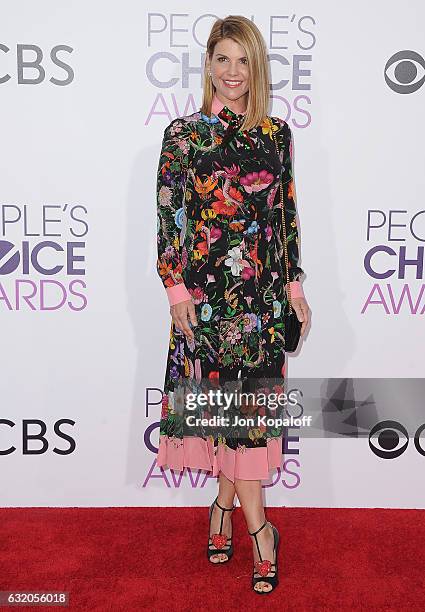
[220, 259]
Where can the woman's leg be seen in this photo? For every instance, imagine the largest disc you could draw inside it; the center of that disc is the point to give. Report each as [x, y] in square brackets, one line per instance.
[226, 497]
[250, 496]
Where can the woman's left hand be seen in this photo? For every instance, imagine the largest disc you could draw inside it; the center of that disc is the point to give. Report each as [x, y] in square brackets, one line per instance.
[302, 310]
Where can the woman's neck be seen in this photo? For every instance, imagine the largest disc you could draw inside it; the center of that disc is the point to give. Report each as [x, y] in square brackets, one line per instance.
[234, 105]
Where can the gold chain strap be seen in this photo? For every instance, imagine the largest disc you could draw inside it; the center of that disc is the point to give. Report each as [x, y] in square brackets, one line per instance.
[285, 246]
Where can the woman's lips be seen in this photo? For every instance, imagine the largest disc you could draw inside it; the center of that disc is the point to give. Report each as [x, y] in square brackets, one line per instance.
[232, 85]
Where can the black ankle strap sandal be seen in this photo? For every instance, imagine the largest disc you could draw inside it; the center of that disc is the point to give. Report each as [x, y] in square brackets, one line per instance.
[223, 544]
[264, 566]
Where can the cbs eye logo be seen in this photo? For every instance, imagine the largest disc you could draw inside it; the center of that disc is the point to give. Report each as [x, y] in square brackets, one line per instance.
[402, 69]
[389, 439]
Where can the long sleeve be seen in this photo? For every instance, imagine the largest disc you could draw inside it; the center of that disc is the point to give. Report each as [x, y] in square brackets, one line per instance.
[285, 143]
[171, 177]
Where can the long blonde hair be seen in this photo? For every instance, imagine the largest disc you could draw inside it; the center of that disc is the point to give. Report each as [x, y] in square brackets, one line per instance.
[246, 33]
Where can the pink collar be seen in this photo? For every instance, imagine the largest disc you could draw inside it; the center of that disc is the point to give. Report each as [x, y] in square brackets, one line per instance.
[217, 106]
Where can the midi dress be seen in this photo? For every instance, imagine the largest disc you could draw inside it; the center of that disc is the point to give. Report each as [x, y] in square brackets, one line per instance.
[219, 241]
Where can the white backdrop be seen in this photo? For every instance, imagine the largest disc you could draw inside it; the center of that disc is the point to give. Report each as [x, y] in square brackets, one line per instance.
[86, 91]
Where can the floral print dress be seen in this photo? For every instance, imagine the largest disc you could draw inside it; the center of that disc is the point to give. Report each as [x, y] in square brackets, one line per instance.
[219, 235]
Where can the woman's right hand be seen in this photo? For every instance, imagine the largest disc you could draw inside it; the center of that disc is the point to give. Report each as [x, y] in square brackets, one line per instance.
[181, 314]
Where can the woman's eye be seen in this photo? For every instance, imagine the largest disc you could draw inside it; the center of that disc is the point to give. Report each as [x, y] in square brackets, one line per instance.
[244, 61]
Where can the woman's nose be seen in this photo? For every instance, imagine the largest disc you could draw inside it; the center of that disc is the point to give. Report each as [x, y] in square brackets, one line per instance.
[233, 70]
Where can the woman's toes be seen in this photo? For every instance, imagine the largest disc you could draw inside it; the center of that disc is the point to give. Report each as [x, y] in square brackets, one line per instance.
[263, 586]
[218, 558]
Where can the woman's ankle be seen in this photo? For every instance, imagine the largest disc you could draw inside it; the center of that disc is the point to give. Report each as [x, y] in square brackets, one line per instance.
[225, 502]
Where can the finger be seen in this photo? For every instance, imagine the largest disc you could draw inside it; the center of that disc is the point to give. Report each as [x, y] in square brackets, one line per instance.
[300, 316]
[186, 329]
[299, 312]
[179, 322]
[192, 314]
[185, 325]
[306, 312]
[306, 318]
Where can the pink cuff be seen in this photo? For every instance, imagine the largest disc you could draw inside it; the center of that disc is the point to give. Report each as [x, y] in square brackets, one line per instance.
[296, 289]
[178, 293]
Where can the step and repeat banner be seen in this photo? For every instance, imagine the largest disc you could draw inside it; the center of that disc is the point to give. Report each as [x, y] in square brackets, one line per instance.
[86, 90]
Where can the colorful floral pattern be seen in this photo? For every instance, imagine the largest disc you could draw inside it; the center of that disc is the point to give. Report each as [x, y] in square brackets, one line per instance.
[219, 232]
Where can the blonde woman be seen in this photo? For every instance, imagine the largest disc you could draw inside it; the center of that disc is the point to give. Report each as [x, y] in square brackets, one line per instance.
[220, 258]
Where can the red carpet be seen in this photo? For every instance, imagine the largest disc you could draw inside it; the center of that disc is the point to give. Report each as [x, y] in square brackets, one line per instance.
[133, 559]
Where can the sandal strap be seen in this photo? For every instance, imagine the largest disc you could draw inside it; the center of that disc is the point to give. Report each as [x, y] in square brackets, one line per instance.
[258, 530]
[227, 547]
[222, 508]
[256, 540]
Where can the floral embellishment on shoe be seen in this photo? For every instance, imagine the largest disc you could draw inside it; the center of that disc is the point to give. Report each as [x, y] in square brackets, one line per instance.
[219, 540]
[263, 567]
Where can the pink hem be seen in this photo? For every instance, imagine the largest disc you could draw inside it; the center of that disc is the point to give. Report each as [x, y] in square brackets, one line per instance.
[177, 293]
[197, 453]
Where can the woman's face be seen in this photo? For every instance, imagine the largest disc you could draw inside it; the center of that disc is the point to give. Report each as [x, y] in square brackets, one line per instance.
[230, 72]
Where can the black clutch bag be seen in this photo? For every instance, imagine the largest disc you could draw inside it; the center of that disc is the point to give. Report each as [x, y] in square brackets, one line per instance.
[292, 330]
